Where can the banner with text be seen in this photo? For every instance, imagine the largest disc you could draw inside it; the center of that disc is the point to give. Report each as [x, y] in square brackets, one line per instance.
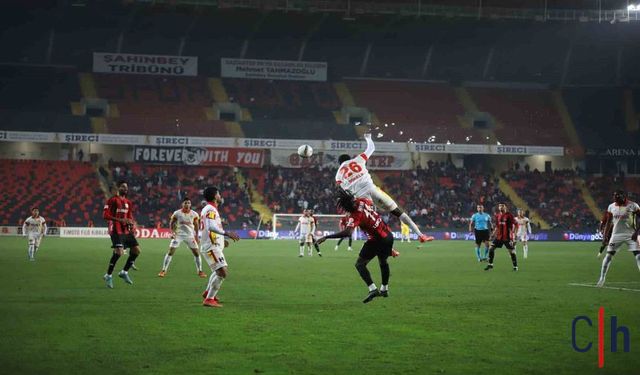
[274, 69]
[125, 63]
[329, 159]
[238, 157]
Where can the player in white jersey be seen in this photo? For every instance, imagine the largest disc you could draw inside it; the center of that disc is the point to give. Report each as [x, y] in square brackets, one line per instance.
[304, 230]
[184, 224]
[212, 244]
[354, 177]
[622, 213]
[34, 228]
[523, 231]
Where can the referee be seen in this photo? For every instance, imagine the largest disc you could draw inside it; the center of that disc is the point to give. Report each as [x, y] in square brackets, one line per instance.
[481, 225]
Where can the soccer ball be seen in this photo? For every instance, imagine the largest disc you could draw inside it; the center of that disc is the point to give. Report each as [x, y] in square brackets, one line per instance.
[305, 151]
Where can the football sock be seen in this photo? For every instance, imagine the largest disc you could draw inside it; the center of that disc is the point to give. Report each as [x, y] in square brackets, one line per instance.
[605, 265]
[492, 253]
[130, 260]
[372, 287]
[30, 251]
[526, 250]
[215, 285]
[514, 259]
[301, 250]
[407, 220]
[339, 241]
[198, 261]
[364, 273]
[317, 247]
[166, 262]
[112, 263]
[385, 272]
[486, 251]
[478, 252]
[350, 241]
[638, 261]
[384, 287]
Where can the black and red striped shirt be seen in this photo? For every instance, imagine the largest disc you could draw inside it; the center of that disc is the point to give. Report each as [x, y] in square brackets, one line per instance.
[368, 220]
[118, 207]
[505, 223]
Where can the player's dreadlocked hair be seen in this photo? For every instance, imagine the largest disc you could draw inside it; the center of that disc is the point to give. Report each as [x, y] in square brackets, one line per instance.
[346, 200]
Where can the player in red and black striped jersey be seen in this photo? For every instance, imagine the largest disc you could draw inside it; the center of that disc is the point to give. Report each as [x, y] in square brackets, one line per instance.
[118, 211]
[503, 234]
[380, 242]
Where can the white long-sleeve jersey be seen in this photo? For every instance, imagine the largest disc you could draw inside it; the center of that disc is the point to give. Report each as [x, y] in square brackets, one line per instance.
[34, 226]
[211, 231]
[353, 175]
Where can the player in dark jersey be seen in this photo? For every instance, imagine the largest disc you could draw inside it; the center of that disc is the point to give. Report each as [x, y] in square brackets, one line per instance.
[343, 225]
[380, 242]
[119, 214]
[503, 234]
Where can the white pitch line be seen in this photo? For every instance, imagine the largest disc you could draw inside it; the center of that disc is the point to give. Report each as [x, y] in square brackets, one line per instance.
[605, 287]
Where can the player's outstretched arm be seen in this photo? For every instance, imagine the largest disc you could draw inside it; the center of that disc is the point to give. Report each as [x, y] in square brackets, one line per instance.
[371, 147]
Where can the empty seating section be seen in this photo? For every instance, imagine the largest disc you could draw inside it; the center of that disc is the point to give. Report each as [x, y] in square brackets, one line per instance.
[37, 99]
[419, 110]
[158, 191]
[555, 196]
[524, 117]
[280, 35]
[288, 109]
[594, 109]
[159, 105]
[66, 192]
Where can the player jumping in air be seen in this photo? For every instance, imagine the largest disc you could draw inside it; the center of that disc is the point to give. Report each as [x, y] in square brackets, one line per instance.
[523, 231]
[184, 223]
[34, 228]
[481, 224]
[305, 228]
[119, 213]
[212, 244]
[354, 177]
[380, 242]
[343, 225]
[503, 234]
[623, 214]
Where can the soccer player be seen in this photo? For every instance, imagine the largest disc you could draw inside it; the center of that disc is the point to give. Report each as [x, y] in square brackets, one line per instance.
[343, 225]
[34, 228]
[481, 224]
[523, 231]
[315, 228]
[119, 214]
[354, 177]
[503, 234]
[183, 226]
[605, 228]
[379, 243]
[623, 214]
[304, 229]
[212, 244]
[404, 232]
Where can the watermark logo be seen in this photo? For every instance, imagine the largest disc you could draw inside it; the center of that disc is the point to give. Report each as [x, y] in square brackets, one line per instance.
[616, 330]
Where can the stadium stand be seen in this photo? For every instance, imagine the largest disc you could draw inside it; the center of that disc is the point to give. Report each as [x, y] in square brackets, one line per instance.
[66, 192]
[523, 116]
[159, 190]
[553, 195]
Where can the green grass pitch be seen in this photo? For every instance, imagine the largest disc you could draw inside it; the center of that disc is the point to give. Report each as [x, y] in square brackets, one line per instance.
[284, 314]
